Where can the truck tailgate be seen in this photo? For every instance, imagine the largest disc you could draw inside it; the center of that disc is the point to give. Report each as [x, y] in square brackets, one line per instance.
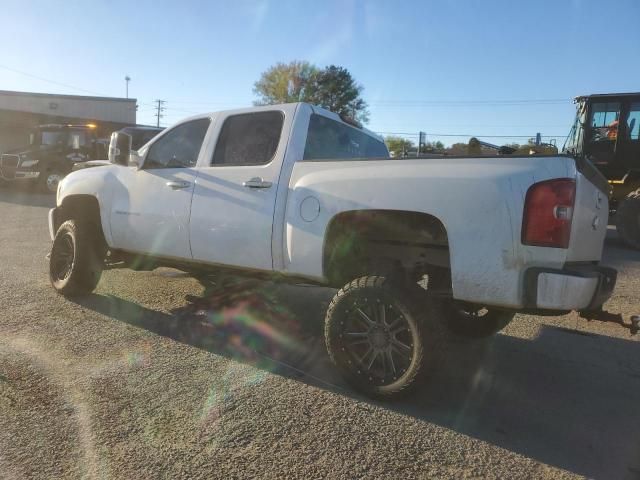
[589, 225]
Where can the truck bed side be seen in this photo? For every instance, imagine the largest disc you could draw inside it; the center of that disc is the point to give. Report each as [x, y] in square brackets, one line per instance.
[479, 201]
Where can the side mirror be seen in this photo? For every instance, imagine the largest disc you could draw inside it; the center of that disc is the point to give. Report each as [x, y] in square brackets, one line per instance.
[120, 148]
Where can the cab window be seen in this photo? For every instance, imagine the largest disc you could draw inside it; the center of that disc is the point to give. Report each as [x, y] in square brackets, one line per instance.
[180, 147]
[249, 139]
[329, 139]
[76, 140]
[633, 122]
[604, 121]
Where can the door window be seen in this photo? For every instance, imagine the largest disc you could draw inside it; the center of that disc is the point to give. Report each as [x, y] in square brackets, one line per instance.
[633, 122]
[604, 121]
[180, 147]
[249, 139]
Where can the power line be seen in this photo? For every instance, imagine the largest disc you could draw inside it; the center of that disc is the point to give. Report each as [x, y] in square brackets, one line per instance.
[539, 101]
[4, 67]
[414, 134]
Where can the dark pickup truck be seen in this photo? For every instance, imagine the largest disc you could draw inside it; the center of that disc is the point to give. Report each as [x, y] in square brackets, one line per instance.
[55, 150]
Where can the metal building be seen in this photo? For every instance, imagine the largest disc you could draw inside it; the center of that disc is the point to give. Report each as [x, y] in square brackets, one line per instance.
[21, 111]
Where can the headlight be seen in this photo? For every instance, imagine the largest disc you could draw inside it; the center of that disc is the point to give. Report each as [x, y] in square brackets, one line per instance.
[28, 163]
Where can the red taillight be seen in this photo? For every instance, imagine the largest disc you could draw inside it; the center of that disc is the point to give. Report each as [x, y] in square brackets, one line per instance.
[548, 209]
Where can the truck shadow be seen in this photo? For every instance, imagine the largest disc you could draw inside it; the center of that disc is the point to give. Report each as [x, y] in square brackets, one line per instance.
[616, 253]
[562, 397]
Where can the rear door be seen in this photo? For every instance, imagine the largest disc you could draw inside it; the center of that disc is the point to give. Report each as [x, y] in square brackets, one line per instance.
[234, 199]
[150, 208]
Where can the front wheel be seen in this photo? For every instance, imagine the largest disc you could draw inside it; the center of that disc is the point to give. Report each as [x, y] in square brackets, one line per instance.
[48, 181]
[380, 338]
[75, 263]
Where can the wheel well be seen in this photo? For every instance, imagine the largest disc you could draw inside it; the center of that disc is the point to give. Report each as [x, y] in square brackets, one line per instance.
[79, 207]
[361, 242]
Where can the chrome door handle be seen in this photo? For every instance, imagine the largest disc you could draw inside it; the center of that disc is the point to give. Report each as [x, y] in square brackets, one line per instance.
[256, 182]
[178, 185]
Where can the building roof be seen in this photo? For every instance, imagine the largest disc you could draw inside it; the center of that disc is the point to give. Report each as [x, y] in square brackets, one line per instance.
[67, 97]
[604, 95]
[74, 108]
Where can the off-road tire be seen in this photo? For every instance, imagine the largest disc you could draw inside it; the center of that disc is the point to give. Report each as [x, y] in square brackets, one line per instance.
[422, 321]
[628, 220]
[80, 240]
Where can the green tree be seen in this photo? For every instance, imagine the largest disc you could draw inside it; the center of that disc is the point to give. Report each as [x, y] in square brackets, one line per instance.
[399, 146]
[432, 147]
[335, 89]
[457, 149]
[332, 87]
[285, 83]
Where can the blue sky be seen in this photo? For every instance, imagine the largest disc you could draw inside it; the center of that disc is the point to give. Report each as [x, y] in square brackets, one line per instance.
[437, 66]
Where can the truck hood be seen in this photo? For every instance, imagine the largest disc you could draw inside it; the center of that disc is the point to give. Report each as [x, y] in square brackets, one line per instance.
[90, 163]
[30, 151]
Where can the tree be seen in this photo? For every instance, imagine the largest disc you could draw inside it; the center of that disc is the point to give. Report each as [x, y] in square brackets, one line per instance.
[285, 83]
[432, 147]
[399, 146]
[332, 87]
[457, 149]
[335, 89]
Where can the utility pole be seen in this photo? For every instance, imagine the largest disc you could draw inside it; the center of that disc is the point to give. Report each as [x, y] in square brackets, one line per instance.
[422, 140]
[127, 79]
[160, 108]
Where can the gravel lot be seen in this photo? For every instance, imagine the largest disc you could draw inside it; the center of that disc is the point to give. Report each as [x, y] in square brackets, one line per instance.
[141, 380]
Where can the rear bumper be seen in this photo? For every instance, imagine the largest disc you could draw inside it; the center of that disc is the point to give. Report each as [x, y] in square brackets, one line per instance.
[579, 287]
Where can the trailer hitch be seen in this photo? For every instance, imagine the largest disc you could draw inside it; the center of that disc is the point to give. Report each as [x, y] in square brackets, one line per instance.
[604, 316]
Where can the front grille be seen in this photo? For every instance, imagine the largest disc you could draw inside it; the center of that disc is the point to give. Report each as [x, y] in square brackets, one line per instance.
[8, 165]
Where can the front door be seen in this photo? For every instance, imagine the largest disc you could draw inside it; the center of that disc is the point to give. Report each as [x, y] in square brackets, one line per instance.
[628, 151]
[602, 136]
[151, 206]
[235, 195]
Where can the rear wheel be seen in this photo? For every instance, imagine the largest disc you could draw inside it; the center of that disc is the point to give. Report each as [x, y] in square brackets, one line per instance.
[628, 220]
[380, 338]
[75, 262]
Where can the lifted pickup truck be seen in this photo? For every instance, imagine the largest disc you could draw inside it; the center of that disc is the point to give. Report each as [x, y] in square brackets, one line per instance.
[419, 248]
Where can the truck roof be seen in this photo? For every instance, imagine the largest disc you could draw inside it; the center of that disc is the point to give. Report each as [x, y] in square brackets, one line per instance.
[316, 109]
[51, 126]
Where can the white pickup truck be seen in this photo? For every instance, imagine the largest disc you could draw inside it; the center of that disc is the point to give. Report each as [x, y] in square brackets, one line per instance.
[417, 247]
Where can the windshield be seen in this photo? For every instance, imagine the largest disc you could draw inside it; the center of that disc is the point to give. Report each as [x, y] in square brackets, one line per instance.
[49, 137]
[296, 239]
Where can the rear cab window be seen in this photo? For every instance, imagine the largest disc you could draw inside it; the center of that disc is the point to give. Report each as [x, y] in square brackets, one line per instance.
[331, 139]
